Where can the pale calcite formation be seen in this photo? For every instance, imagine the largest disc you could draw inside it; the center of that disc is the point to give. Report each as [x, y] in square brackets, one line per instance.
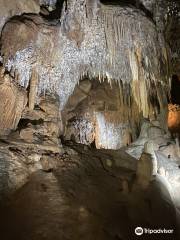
[158, 161]
[85, 45]
[94, 114]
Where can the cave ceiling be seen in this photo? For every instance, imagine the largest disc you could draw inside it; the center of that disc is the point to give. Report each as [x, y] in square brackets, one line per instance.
[131, 43]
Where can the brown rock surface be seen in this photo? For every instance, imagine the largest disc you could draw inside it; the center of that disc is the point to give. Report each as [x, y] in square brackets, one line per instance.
[9, 8]
[13, 101]
[34, 144]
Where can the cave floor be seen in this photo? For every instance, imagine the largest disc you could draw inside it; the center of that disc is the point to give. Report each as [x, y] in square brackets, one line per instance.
[88, 197]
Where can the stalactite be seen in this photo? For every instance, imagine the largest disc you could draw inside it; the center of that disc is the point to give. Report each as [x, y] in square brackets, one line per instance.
[33, 89]
[120, 44]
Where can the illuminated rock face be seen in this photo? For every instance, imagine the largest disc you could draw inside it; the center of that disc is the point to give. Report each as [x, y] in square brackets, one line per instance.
[174, 106]
[87, 45]
[174, 118]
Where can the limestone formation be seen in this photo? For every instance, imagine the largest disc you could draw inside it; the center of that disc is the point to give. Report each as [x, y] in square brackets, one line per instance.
[98, 116]
[33, 90]
[105, 113]
[83, 46]
[88, 149]
[159, 158]
[157, 139]
[144, 170]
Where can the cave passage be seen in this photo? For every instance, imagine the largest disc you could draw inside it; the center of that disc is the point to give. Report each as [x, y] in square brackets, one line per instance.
[175, 90]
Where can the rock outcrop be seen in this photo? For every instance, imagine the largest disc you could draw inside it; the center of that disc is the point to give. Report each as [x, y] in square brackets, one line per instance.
[34, 145]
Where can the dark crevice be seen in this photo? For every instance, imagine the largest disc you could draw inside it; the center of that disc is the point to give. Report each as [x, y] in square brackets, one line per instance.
[23, 123]
[155, 102]
[62, 139]
[93, 145]
[14, 149]
[175, 90]
[56, 13]
[48, 170]
[134, 3]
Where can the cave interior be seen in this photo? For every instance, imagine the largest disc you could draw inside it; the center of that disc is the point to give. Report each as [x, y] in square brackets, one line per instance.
[89, 119]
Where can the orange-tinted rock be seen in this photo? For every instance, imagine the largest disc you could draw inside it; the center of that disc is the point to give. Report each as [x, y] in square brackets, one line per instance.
[174, 118]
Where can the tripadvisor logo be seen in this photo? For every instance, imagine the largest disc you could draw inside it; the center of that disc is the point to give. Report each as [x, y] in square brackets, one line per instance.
[139, 231]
